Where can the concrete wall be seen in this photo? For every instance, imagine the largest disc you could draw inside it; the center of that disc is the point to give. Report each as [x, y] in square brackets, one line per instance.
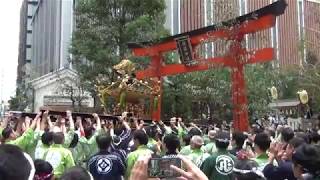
[48, 87]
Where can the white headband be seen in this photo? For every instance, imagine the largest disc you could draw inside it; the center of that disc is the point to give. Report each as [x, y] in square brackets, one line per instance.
[91, 177]
[33, 170]
[222, 140]
[253, 170]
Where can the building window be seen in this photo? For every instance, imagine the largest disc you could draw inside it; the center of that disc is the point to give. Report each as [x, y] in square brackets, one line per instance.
[33, 2]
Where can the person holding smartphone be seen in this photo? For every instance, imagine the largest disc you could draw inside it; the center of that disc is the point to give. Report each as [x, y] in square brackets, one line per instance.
[189, 172]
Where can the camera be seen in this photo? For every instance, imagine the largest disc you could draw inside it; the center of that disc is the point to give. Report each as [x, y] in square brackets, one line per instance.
[160, 167]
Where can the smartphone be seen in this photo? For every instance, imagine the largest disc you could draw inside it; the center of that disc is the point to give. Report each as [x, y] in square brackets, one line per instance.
[160, 167]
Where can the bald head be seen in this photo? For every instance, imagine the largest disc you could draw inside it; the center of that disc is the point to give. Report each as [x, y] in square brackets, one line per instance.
[196, 142]
[212, 134]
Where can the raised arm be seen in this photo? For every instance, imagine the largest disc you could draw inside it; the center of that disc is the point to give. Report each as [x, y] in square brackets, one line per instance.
[125, 124]
[192, 125]
[44, 121]
[35, 120]
[70, 133]
[27, 136]
[22, 126]
[5, 121]
[96, 117]
[136, 124]
[79, 123]
[50, 124]
[38, 125]
[71, 122]
[111, 129]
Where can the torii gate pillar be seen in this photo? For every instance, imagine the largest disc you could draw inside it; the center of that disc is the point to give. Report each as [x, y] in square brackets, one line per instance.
[234, 30]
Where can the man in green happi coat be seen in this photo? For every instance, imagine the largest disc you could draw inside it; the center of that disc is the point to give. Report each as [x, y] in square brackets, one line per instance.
[219, 165]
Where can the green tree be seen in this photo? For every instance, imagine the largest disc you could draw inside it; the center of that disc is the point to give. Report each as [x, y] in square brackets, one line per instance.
[20, 101]
[309, 79]
[212, 91]
[103, 29]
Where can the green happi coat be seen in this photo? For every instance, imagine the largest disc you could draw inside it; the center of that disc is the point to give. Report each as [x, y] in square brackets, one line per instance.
[181, 132]
[68, 137]
[24, 140]
[262, 160]
[85, 148]
[219, 165]
[60, 158]
[133, 157]
[186, 150]
[40, 150]
[31, 146]
[206, 139]
[197, 156]
[152, 144]
[210, 148]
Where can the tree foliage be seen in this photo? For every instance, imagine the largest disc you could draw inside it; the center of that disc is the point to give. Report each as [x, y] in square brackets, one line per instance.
[73, 88]
[103, 29]
[20, 101]
[309, 79]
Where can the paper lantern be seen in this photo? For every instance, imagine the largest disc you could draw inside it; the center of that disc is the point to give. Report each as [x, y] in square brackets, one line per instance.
[303, 96]
[274, 93]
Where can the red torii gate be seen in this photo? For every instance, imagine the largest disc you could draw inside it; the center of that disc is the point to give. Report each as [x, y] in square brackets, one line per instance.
[235, 30]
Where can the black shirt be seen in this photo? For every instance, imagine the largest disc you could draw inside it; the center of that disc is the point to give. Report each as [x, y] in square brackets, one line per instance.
[105, 165]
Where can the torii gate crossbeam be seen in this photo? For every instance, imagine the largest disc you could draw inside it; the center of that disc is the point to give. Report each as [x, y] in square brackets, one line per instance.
[236, 59]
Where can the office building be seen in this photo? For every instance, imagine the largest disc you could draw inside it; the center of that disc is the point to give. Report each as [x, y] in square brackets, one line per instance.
[52, 24]
[295, 35]
[25, 41]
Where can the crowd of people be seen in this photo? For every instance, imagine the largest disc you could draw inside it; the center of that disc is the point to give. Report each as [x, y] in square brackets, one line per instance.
[47, 148]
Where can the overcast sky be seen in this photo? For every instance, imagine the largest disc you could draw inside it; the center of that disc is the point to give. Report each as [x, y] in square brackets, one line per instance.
[9, 37]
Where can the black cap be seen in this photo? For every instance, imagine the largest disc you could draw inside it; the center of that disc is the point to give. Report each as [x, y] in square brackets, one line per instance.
[222, 136]
[308, 156]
